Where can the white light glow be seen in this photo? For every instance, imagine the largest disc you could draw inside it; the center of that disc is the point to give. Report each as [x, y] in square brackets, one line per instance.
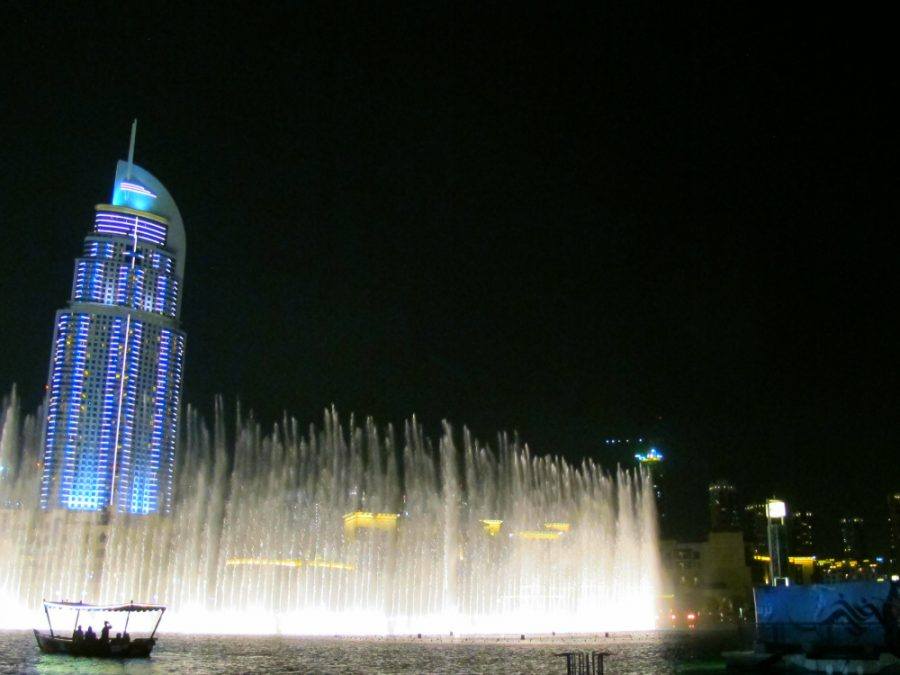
[257, 541]
[776, 508]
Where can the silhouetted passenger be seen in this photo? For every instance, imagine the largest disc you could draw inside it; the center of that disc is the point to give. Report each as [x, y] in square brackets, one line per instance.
[118, 637]
[78, 635]
[90, 635]
[126, 636]
[104, 634]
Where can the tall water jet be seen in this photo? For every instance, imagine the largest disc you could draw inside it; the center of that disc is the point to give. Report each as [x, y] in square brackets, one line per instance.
[347, 529]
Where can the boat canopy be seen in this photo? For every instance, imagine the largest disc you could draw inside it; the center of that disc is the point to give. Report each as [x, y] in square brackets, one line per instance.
[84, 607]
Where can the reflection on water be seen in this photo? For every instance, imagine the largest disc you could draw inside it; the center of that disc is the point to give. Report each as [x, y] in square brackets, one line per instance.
[631, 654]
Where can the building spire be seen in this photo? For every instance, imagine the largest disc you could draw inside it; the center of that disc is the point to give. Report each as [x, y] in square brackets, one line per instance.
[131, 147]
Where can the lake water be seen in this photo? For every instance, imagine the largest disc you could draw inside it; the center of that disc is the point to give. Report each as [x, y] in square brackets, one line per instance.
[638, 654]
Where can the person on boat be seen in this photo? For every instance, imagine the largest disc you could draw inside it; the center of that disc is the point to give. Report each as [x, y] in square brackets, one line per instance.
[104, 634]
[90, 635]
[118, 637]
[78, 634]
[126, 636]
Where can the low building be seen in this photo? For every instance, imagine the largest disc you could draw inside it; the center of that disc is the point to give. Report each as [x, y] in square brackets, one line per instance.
[710, 579]
[833, 570]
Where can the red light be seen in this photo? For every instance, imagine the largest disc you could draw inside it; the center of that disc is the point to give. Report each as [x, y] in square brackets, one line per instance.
[691, 616]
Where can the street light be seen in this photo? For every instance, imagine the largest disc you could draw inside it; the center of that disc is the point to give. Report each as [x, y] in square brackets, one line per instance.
[776, 510]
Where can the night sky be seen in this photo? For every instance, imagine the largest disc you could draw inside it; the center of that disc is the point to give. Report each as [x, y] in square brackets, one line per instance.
[676, 221]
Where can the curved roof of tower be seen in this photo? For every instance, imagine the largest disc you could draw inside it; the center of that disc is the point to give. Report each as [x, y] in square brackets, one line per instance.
[154, 198]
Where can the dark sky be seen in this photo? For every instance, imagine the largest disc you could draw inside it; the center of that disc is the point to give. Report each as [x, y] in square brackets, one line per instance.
[677, 220]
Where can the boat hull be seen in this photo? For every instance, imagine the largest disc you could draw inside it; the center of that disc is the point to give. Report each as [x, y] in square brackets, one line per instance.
[133, 649]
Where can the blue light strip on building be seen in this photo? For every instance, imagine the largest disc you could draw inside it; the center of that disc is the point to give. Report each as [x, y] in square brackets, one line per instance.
[123, 225]
[78, 483]
[126, 482]
[54, 391]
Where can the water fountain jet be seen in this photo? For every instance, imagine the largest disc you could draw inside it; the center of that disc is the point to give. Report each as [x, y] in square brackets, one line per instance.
[443, 536]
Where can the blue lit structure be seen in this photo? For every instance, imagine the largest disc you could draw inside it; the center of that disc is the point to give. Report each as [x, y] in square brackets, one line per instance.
[114, 391]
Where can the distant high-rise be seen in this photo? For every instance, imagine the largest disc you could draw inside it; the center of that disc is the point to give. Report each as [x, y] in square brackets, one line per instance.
[894, 531]
[853, 541]
[755, 526]
[723, 507]
[802, 526]
[114, 391]
[652, 461]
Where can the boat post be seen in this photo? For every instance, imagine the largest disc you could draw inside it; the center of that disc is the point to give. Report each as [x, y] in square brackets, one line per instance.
[47, 612]
[75, 627]
[163, 611]
[127, 617]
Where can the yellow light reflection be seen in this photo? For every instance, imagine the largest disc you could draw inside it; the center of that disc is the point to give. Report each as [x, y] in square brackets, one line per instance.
[287, 562]
[538, 534]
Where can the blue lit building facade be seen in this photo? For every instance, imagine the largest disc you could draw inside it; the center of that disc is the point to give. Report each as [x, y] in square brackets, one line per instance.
[113, 399]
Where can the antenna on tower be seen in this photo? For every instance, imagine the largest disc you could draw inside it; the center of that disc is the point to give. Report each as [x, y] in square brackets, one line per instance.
[131, 147]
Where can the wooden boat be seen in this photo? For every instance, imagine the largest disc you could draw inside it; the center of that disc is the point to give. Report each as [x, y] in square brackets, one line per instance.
[73, 644]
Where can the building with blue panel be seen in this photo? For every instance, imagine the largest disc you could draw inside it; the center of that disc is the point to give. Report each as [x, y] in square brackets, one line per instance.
[116, 365]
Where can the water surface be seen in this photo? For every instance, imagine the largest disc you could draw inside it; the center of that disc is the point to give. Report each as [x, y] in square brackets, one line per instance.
[637, 654]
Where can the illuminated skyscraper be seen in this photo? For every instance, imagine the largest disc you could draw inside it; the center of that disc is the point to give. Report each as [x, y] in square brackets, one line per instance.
[652, 461]
[114, 390]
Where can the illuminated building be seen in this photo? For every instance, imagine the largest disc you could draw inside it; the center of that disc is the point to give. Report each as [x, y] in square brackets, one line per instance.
[853, 541]
[853, 569]
[652, 462]
[723, 508]
[802, 569]
[492, 527]
[113, 396]
[894, 532]
[366, 520]
[802, 526]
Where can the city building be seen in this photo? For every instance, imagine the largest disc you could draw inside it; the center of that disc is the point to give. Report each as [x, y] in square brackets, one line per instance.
[723, 508]
[894, 532]
[652, 462]
[802, 528]
[838, 570]
[113, 398]
[801, 569]
[853, 539]
[710, 578]
[366, 520]
[755, 527]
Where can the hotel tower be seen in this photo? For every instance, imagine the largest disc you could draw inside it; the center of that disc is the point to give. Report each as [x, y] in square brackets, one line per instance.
[113, 397]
